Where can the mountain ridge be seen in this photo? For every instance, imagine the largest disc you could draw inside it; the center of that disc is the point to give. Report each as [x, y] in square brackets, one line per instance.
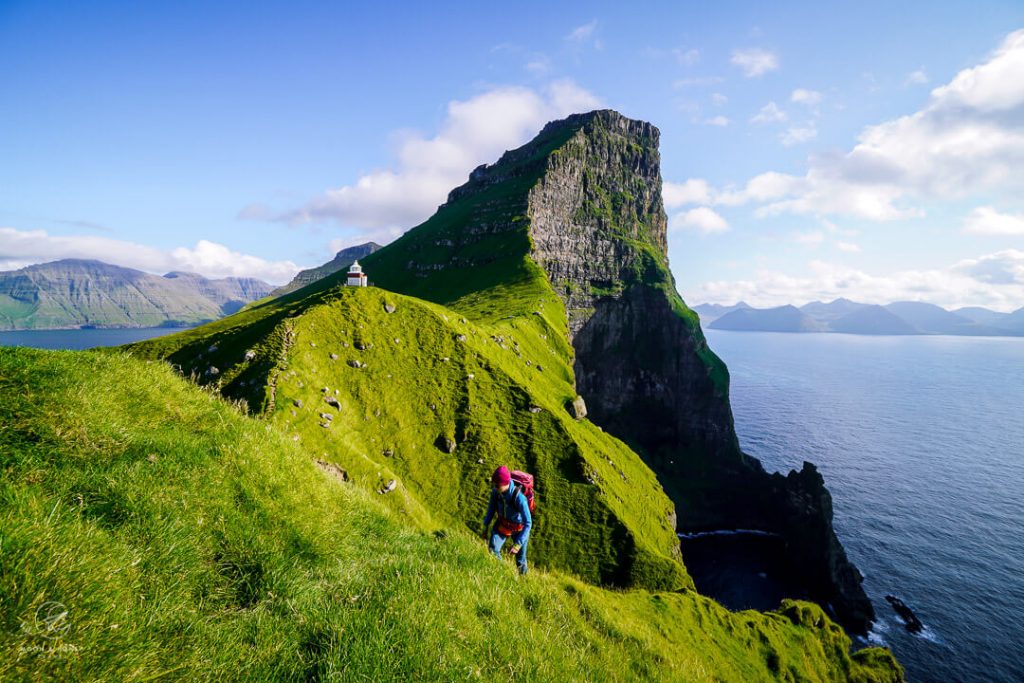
[850, 317]
[72, 293]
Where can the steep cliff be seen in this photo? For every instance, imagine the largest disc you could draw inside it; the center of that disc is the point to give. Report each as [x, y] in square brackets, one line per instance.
[585, 196]
[599, 231]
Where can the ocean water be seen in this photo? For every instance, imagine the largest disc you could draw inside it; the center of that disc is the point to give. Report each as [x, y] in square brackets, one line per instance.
[921, 443]
[82, 339]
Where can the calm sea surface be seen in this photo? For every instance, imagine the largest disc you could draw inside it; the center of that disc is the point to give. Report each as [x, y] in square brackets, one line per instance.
[81, 339]
[921, 442]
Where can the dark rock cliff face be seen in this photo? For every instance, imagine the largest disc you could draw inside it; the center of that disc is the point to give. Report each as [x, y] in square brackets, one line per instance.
[598, 229]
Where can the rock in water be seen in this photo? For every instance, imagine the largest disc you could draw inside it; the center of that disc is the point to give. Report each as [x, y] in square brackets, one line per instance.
[910, 620]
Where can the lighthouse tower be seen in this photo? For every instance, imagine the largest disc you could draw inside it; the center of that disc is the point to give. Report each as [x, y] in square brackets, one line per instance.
[356, 276]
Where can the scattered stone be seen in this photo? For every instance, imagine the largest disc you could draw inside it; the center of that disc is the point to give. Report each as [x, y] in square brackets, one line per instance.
[331, 401]
[152, 457]
[433, 406]
[460, 338]
[212, 349]
[324, 390]
[578, 408]
[344, 344]
[250, 354]
[389, 453]
[356, 364]
[540, 368]
[389, 308]
[462, 320]
[389, 487]
[293, 413]
[326, 416]
[312, 344]
[536, 312]
[212, 371]
[363, 346]
[334, 356]
[325, 425]
[528, 362]
[445, 443]
[297, 403]
[397, 340]
[535, 409]
[480, 461]
[445, 359]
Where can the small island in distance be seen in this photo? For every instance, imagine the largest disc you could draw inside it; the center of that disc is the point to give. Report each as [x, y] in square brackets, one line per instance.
[851, 317]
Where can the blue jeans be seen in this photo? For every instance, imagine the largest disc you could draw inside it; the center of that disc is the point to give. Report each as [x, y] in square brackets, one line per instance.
[497, 540]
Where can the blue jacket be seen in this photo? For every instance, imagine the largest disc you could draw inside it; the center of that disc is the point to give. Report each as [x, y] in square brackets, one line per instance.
[511, 505]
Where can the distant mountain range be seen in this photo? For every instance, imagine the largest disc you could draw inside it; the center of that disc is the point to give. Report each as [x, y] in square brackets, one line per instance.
[74, 293]
[850, 317]
[343, 259]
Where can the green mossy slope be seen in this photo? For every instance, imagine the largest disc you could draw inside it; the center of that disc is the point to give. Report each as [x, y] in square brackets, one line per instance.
[189, 541]
[428, 381]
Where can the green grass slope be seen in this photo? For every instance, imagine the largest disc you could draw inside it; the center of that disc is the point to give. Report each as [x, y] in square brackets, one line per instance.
[429, 379]
[187, 540]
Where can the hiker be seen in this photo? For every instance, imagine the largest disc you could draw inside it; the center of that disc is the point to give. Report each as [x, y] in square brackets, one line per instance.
[509, 501]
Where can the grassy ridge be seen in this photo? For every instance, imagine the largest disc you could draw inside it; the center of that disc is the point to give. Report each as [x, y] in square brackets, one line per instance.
[188, 541]
[429, 377]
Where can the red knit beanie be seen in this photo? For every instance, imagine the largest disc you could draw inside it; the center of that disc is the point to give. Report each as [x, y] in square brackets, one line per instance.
[501, 476]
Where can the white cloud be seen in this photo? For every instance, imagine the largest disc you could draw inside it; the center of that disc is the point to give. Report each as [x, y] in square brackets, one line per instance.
[583, 33]
[919, 77]
[770, 113]
[718, 99]
[761, 188]
[693, 191]
[719, 120]
[985, 220]
[755, 62]
[475, 131]
[995, 280]
[686, 57]
[809, 98]
[848, 247]
[19, 248]
[811, 239]
[702, 219]
[696, 81]
[969, 138]
[795, 135]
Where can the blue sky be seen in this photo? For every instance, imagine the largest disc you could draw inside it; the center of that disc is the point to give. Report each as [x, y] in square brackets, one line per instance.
[809, 150]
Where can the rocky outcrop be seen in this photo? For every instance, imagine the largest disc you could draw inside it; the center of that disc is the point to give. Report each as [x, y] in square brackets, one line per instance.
[598, 229]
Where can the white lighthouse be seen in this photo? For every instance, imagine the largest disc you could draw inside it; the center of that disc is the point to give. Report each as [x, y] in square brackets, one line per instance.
[356, 276]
